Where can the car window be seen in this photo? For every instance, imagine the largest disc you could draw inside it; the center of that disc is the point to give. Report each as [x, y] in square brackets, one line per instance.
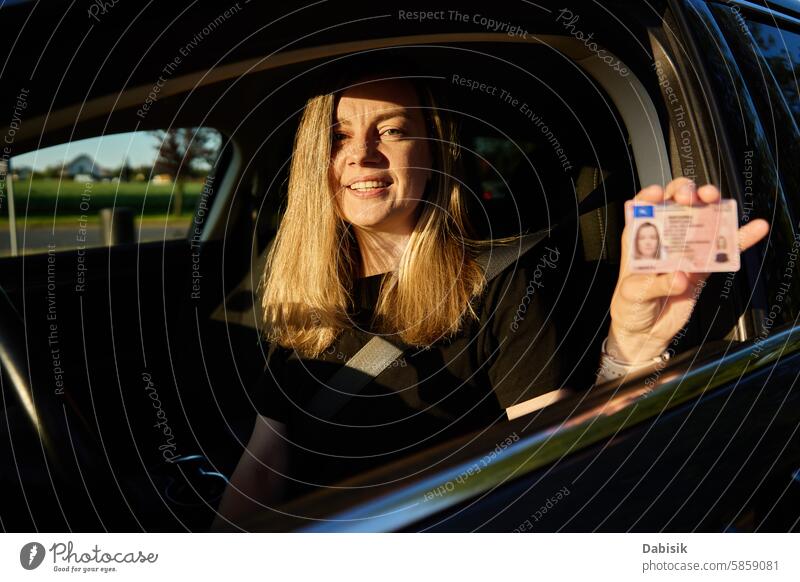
[780, 48]
[765, 55]
[66, 196]
[768, 55]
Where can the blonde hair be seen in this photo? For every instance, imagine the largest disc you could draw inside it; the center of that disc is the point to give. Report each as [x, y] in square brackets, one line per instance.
[315, 258]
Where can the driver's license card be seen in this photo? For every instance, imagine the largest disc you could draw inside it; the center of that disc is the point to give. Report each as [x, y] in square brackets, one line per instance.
[666, 237]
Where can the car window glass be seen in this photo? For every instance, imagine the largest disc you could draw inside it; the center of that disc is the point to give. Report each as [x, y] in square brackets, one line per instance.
[768, 58]
[775, 80]
[763, 114]
[781, 50]
[60, 197]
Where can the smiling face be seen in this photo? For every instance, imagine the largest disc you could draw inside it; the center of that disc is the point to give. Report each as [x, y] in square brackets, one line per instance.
[380, 157]
[647, 242]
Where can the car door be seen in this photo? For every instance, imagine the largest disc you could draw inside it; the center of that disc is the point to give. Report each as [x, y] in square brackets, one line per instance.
[106, 325]
[704, 442]
[715, 447]
[114, 342]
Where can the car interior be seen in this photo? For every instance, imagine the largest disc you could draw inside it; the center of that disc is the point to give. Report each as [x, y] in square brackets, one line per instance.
[559, 128]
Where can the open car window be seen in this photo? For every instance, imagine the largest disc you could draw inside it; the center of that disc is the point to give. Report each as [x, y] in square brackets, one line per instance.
[148, 183]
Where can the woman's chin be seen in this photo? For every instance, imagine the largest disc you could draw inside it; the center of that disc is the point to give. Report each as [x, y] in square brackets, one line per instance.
[381, 217]
[363, 223]
[367, 218]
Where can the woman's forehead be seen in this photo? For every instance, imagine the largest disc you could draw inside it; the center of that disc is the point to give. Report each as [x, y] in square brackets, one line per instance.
[383, 98]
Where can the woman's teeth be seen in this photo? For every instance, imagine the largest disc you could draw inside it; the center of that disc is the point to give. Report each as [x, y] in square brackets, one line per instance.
[368, 185]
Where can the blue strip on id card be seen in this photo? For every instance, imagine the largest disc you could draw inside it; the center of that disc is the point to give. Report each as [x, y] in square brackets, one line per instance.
[643, 211]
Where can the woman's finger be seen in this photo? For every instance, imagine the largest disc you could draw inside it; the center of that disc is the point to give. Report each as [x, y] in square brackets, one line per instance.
[683, 191]
[652, 193]
[640, 288]
[752, 232]
[709, 193]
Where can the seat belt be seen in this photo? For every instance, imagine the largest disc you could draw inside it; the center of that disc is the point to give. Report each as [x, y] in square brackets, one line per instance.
[379, 353]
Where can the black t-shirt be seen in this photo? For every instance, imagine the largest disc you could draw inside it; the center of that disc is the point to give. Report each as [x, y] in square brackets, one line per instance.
[516, 350]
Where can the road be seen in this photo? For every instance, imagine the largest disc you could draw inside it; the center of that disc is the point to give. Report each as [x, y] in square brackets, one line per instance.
[37, 237]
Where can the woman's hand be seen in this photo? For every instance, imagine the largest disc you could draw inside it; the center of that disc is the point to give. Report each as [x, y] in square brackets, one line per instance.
[648, 310]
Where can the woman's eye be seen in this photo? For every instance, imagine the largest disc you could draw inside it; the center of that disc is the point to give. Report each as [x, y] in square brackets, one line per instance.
[339, 137]
[392, 132]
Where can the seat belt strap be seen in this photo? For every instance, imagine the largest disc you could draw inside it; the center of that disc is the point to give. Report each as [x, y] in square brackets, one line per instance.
[379, 353]
[373, 358]
[498, 258]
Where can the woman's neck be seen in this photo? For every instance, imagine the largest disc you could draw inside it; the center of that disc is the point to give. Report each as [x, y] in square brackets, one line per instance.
[380, 251]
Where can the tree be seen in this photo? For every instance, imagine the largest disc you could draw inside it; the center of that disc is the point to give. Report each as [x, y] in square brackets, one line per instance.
[125, 172]
[180, 151]
[53, 171]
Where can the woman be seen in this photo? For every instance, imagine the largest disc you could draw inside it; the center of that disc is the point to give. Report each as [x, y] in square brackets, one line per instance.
[375, 240]
[647, 244]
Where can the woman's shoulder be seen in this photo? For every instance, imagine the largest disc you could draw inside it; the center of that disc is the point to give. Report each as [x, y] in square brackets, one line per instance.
[532, 261]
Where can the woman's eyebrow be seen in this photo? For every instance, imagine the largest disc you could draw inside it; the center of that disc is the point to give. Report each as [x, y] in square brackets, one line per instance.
[383, 116]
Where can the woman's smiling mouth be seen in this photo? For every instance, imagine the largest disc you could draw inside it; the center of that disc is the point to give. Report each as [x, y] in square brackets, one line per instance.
[369, 188]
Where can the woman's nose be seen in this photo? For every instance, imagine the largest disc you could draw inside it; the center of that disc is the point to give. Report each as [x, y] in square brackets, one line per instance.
[363, 151]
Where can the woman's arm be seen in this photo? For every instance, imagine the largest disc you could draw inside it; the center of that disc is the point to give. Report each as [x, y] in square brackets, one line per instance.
[648, 310]
[257, 480]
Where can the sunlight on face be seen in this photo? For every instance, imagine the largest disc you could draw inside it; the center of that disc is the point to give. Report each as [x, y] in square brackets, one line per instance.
[381, 157]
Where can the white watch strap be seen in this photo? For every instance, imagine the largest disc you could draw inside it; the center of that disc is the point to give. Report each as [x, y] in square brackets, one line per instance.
[612, 369]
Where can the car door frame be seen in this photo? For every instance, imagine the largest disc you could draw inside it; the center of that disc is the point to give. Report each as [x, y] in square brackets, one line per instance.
[600, 418]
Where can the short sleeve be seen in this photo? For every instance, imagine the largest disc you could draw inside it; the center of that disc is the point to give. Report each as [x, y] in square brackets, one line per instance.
[522, 323]
[269, 396]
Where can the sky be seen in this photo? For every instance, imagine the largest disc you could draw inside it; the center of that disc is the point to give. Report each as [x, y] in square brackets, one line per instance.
[108, 151]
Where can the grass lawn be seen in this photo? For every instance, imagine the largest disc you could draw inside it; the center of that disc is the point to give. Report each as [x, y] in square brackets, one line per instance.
[45, 197]
[94, 220]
